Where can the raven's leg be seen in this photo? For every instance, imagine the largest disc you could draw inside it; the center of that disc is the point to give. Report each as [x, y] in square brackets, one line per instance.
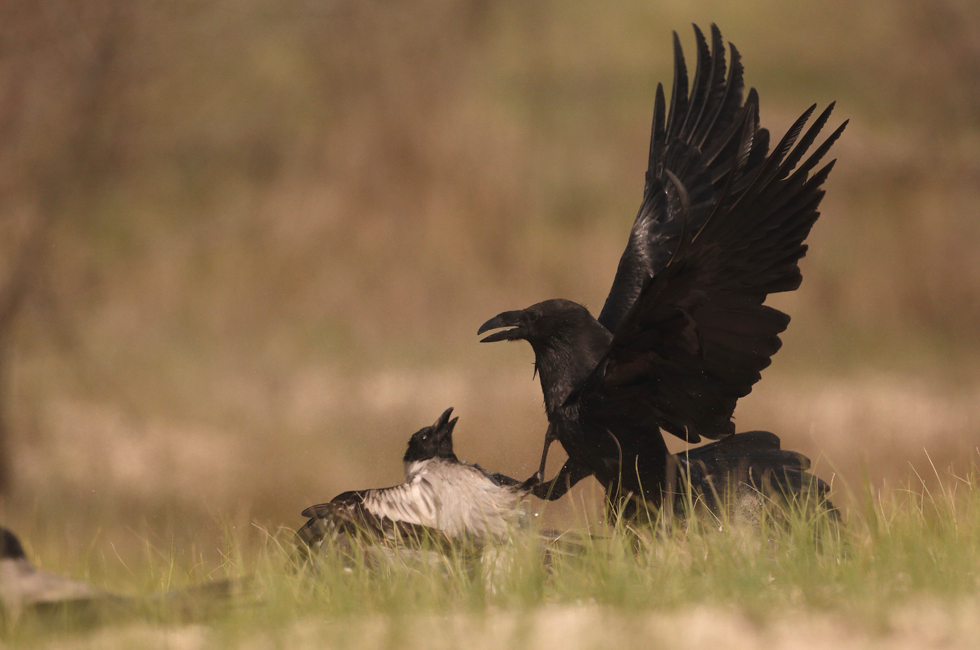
[569, 474]
[549, 437]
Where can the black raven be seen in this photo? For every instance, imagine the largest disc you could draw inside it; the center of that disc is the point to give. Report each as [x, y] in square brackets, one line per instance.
[443, 499]
[684, 332]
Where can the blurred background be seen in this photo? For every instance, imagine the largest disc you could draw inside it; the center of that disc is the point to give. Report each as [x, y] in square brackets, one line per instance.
[247, 243]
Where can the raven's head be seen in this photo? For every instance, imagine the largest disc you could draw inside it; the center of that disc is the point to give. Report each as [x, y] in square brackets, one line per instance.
[435, 441]
[547, 324]
[568, 343]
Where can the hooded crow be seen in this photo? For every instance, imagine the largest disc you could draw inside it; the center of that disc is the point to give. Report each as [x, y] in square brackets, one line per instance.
[24, 588]
[684, 332]
[443, 500]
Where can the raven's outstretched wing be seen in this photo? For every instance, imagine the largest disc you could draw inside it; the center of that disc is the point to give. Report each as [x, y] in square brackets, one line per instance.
[698, 143]
[697, 335]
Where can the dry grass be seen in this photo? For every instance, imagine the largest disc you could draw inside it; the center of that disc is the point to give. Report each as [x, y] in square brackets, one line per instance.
[903, 572]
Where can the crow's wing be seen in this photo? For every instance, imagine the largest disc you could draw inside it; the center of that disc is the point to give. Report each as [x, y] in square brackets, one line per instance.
[454, 501]
[699, 143]
[393, 512]
[698, 335]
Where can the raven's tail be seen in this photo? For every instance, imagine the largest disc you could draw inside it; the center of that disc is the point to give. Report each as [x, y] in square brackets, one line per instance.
[745, 471]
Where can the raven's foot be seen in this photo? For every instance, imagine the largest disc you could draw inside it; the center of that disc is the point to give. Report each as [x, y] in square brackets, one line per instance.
[532, 484]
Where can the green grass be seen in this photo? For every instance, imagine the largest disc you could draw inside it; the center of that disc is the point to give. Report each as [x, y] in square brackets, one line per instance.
[901, 552]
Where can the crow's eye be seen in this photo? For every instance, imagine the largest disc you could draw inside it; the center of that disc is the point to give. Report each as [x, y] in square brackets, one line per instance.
[425, 438]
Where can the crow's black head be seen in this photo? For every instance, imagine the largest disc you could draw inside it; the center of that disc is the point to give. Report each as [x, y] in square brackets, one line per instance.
[10, 548]
[433, 442]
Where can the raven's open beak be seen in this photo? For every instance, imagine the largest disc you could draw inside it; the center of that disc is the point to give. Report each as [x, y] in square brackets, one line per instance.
[506, 319]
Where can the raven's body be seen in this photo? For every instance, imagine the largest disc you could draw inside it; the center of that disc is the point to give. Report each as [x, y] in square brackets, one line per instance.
[442, 499]
[599, 449]
[684, 332]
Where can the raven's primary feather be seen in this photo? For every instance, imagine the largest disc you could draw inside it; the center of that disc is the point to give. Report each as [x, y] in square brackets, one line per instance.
[684, 332]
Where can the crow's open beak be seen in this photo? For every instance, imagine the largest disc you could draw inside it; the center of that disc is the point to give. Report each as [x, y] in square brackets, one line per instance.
[506, 319]
[447, 430]
[443, 419]
[444, 424]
